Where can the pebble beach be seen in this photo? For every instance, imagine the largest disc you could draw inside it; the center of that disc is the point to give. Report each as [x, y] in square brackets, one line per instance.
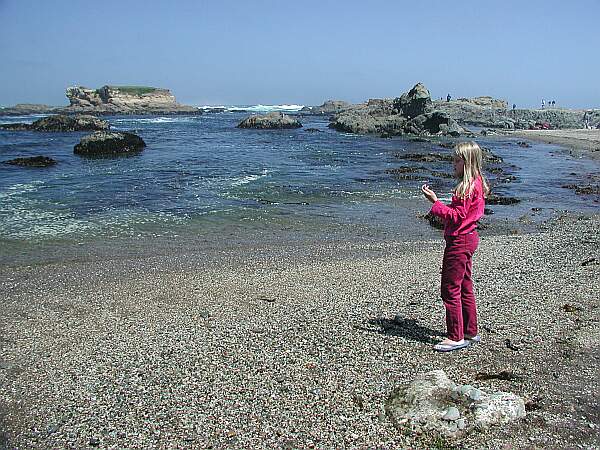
[296, 346]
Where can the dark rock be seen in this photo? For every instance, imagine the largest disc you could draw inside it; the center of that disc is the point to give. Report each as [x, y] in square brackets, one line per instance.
[510, 345]
[273, 120]
[583, 190]
[313, 130]
[571, 308]
[425, 157]
[34, 161]
[523, 144]
[414, 103]
[420, 139]
[329, 107]
[435, 122]
[106, 142]
[488, 211]
[62, 123]
[494, 199]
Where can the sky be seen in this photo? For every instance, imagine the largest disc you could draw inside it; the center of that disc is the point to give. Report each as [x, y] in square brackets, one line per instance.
[303, 52]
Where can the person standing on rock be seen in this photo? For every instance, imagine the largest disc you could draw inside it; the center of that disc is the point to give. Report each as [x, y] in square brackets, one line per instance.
[460, 222]
[448, 97]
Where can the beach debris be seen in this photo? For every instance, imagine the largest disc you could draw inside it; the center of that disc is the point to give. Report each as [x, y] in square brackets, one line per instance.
[107, 142]
[590, 262]
[33, 161]
[432, 402]
[511, 345]
[267, 299]
[571, 308]
[505, 375]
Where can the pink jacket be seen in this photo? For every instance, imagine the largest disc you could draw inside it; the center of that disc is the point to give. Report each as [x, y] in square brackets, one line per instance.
[461, 216]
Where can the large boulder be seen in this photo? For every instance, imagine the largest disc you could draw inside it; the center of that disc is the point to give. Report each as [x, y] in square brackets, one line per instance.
[434, 403]
[414, 103]
[32, 161]
[61, 123]
[435, 122]
[109, 143]
[273, 120]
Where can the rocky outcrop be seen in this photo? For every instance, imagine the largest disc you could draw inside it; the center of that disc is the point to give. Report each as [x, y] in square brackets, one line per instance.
[124, 100]
[33, 161]
[492, 116]
[273, 120]
[414, 103]
[23, 109]
[109, 143]
[433, 403]
[61, 123]
[411, 113]
[486, 101]
[328, 107]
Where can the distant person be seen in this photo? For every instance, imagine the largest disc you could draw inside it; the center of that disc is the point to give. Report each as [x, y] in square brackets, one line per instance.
[543, 103]
[586, 120]
[553, 103]
[514, 106]
[448, 97]
[460, 223]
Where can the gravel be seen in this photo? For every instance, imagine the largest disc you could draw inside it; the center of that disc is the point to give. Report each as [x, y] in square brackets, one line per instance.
[293, 346]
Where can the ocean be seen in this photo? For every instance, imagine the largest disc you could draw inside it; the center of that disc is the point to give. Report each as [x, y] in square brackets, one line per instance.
[202, 177]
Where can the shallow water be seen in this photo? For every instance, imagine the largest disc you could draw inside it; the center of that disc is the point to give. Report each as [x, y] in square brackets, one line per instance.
[202, 176]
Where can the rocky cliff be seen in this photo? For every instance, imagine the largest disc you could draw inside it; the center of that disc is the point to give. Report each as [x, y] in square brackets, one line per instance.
[124, 100]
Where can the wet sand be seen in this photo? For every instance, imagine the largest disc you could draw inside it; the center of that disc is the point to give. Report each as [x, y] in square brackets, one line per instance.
[581, 142]
[297, 346]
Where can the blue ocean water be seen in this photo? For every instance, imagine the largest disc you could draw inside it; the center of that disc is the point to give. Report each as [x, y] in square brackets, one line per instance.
[201, 174]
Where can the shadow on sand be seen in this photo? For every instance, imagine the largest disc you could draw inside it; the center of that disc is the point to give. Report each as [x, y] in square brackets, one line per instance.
[404, 328]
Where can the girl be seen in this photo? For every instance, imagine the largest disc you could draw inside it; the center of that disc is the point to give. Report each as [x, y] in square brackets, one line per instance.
[460, 223]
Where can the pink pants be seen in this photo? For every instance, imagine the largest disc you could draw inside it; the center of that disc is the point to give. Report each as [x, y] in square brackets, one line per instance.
[457, 285]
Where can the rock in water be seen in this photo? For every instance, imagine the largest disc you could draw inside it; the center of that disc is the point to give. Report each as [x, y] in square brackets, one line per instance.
[273, 120]
[433, 402]
[34, 161]
[124, 100]
[415, 102]
[106, 142]
[62, 123]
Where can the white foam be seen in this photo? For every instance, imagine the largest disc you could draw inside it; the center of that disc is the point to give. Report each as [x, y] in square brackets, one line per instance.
[249, 178]
[178, 119]
[257, 108]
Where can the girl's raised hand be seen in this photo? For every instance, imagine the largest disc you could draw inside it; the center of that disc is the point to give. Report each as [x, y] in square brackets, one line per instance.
[428, 193]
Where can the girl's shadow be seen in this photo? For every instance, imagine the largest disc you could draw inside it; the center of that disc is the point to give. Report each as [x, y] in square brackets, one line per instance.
[403, 327]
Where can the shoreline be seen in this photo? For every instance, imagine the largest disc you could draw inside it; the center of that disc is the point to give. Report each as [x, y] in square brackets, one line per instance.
[273, 346]
[581, 142]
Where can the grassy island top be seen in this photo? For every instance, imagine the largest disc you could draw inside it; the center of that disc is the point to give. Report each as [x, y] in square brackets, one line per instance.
[134, 90]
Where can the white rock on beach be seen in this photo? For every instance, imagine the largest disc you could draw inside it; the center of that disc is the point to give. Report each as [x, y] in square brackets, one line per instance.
[433, 402]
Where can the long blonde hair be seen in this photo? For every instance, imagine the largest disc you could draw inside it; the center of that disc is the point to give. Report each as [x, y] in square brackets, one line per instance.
[472, 156]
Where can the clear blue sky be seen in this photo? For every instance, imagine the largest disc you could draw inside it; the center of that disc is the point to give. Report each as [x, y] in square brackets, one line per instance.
[304, 52]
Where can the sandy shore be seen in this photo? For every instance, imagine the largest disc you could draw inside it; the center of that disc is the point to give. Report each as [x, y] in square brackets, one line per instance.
[295, 346]
[581, 142]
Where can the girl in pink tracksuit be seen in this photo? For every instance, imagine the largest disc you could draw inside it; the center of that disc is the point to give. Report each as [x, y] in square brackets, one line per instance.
[460, 223]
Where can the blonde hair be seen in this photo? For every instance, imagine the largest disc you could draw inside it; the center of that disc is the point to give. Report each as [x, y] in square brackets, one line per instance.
[472, 155]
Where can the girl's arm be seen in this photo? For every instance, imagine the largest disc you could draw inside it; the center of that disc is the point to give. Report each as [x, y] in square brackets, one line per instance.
[456, 211]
